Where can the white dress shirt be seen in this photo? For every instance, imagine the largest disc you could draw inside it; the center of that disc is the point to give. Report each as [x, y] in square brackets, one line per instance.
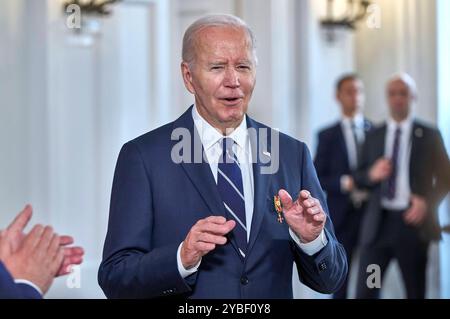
[212, 143]
[346, 125]
[357, 196]
[403, 190]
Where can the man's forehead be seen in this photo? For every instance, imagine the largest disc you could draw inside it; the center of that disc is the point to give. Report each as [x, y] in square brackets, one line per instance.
[353, 82]
[397, 83]
[212, 35]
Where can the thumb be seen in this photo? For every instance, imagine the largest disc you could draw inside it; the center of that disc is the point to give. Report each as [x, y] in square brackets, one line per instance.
[21, 220]
[286, 199]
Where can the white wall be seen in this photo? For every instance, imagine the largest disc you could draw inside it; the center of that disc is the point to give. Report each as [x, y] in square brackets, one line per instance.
[320, 63]
[14, 120]
[405, 42]
[68, 104]
[101, 95]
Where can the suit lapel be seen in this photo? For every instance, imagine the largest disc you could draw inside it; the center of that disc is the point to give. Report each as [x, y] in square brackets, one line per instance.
[416, 151]
[343, 146]
[367, 126]
[261, 158]
[199, 172]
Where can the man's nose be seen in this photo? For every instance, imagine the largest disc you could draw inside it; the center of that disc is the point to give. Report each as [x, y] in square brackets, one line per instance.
[231, 78]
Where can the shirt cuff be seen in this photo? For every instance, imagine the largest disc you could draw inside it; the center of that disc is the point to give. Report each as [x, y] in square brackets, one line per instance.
[183, 271]
[29, 283]
[313, 247]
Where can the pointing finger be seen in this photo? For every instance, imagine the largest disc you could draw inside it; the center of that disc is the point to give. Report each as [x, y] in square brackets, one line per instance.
[21, 220]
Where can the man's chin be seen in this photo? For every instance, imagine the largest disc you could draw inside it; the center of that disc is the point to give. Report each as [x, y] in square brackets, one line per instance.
[232, 121]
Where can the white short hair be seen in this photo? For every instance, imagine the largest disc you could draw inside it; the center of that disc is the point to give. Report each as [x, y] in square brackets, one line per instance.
[406, 79]
[214, 20]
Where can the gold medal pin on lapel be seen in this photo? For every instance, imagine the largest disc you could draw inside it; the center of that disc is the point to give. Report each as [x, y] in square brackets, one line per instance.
[278, 208]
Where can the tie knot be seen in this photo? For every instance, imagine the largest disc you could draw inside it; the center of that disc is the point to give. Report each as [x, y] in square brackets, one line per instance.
[398, 131]
[227, 144]
[227, 148]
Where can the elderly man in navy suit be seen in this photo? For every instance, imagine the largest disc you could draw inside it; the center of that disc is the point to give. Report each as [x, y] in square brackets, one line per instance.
[337, 157]
[30, 261]
[194, 207]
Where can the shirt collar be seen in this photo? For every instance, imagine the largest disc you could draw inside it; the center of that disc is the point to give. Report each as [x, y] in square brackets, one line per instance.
[404, 125]
[358, 119]
[209, 136]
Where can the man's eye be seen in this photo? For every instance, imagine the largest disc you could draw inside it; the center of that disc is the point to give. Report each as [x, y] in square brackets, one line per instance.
[217, 67]
[244, 67]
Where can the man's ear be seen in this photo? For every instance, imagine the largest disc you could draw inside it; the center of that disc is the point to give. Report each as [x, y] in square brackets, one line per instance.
[187, 77]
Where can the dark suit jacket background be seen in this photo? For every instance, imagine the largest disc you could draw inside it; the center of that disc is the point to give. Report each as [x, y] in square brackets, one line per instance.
[155, 202]
[10, 290]
[331, 162]
[429, 174]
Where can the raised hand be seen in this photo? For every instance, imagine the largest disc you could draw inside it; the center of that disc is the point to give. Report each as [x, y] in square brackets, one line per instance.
[203, 237]
[38, 257]
[13, 236]
[380, 171]
[304, 216]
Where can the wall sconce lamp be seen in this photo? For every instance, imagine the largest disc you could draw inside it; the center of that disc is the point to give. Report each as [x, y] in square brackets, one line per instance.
[84, 19]
[356, 10]
[91, 7]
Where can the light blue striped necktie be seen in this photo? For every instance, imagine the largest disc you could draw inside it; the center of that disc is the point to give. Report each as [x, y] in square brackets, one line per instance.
[229, 184]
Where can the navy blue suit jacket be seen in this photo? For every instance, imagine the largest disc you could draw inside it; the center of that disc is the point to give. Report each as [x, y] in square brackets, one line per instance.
[10, 290]
[331, 162]
[156, 201]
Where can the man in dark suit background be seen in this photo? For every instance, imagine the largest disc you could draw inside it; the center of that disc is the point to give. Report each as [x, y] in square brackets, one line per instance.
[407, 169]
[30, 261]
[200, 220]
[337, 157]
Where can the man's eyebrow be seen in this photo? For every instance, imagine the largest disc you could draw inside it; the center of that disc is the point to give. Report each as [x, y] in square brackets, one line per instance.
[217, 63]
[221, 63]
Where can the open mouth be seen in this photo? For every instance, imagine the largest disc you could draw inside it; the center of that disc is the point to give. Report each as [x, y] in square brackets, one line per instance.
[231, 100]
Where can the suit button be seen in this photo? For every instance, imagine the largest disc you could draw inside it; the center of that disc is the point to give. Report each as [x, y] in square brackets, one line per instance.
[244, 280]
[322, 266]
